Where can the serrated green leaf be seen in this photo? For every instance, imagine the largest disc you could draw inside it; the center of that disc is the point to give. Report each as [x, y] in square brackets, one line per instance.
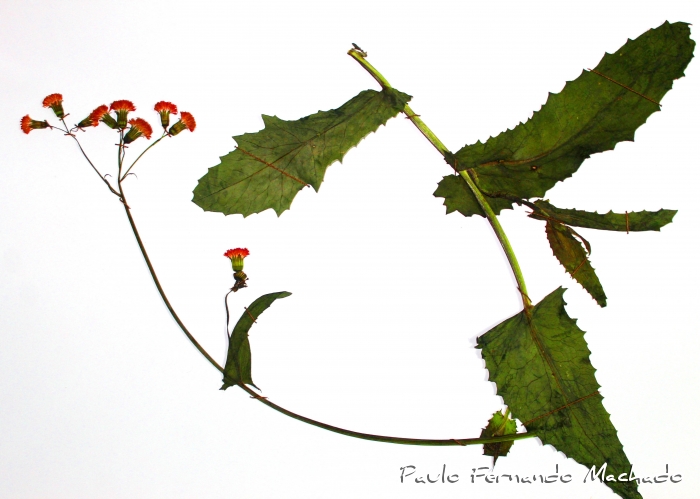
[541, 365]
[590, 115]
[500, 424]
[270, 167]
[634, 221]
[574, 258]
[238, 362]
[458, 197]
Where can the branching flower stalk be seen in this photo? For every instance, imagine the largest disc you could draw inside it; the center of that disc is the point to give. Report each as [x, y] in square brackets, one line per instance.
[141, 128]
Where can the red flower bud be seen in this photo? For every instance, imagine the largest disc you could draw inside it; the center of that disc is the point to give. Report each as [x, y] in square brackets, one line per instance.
[138, 128]
[165, 109]
[122, 107]
[237, 255]
[98, 114]
[55, 102]
[186, 121]
[27, 124]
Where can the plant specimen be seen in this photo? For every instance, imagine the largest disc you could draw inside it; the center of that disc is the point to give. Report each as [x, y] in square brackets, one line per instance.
[538, 359]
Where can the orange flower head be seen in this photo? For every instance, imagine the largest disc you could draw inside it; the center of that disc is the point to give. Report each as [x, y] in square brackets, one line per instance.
[139, 127]
[122, 107]
[186, 121]
[237, 255]
[96, 115]
[165, 109]
[27, 124]
[55, 102]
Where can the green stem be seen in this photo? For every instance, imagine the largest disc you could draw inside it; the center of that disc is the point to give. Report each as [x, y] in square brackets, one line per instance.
[449, 157]
[109, 186]
[160, 288]
[387, 439]
[148, 260]
[502, 238]
[410, 114]
[144, 152]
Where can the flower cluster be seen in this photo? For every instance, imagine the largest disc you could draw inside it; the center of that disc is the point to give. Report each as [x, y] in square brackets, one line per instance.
[135, 127]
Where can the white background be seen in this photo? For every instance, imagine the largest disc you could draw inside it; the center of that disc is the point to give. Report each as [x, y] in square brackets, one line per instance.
[101, 395]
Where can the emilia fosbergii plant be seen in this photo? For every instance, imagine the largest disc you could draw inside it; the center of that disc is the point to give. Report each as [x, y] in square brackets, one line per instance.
[538, 359]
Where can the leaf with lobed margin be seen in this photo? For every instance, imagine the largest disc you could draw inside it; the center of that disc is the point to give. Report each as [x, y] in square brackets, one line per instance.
[634, 221]
[568, 247]
[541, 365]
[590, 115]
[269, 167]
[458, 197]
[500, 424]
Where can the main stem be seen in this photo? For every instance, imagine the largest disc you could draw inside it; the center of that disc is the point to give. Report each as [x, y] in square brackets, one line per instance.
[449, 157]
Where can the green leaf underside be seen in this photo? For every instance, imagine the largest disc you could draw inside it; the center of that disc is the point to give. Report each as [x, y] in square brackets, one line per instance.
[498, 425]
[590, 115]
[458, 197]
[542, 370]
[634, 221]
[238, 362]
[574, 258]
[271, 166]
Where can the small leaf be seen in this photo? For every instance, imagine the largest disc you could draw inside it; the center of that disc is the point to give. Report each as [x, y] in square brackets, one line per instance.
[590, 115]
[238, 362]
[572, 255]
[269, 167]
[634, 221]
[541, 365]
[500, 424]
[458, 197]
